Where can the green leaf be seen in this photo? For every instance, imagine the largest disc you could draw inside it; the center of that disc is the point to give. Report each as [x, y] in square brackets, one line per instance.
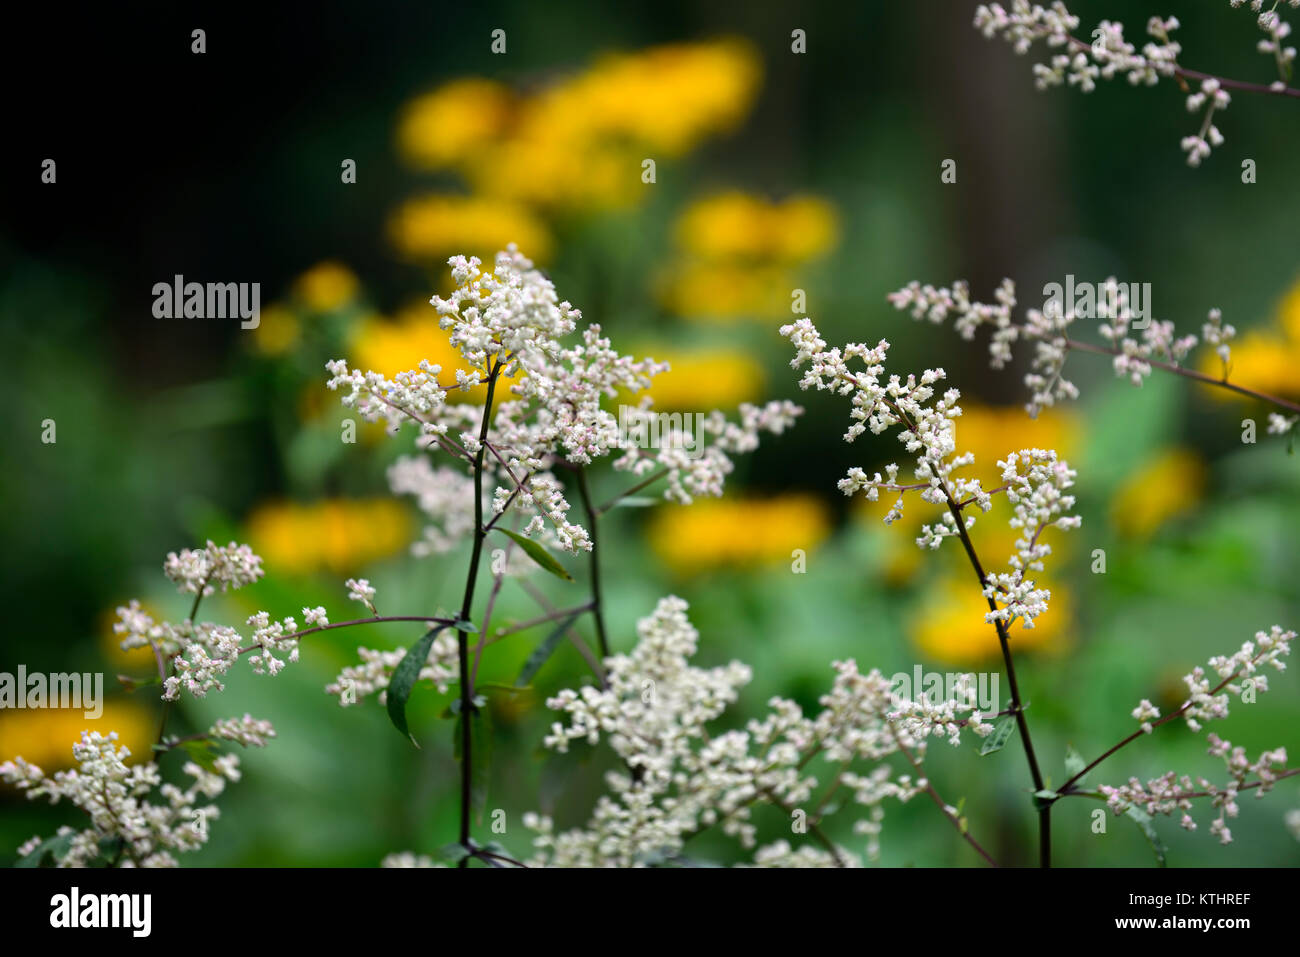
[203, 753]
[452, 853]
[1074, 762]
[544, 651]
[53, 847]
[1143, 820]
[466, 626]
[997, 739]
[404, 677]
[130, 684]
[538, 554]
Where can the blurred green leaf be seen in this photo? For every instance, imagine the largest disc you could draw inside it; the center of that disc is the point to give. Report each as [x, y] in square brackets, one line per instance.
[544, 651]
[1143, 820]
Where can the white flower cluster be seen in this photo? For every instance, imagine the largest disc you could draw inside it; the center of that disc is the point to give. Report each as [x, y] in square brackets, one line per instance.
[1197, 146]
[510, 323]
[1277, 31]
[927, 429]
[703, 472]
[1267, 650]
[408, 859]
[361, 590]
[1109, 55]
[1039, 496]
[1170, 792]
[125, 829]
[247, 731]
[1038, 493]
[209, 651]
[1281, 424]
[445, 495]
[373, 675]
[680, 779]
[1048, 329]
[922, 717]
[201, 570]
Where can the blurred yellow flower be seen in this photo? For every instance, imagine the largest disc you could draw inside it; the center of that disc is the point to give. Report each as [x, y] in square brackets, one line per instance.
[453, 123]
[337, 535]
[736, 225]
[326, 286]
[1163, 488]
[737, 532]
[1260, 360]
[990, 432]
[580, 142]
[667, 98]
[45, 736]
[276, 332]
[727, 291]
[1288, 312]
[949, 624]
[434, 227]
[706, 379]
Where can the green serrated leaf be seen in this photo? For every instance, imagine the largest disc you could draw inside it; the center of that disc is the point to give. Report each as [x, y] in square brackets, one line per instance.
[1143, 820]
[1074, 762]
[537, 553]
[466, 626]
[997, 739]
[403, 680]
[544, 651]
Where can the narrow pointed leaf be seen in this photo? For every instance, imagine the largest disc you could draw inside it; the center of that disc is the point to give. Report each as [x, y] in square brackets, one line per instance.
[538, 554]
[404, 678]
[544, 651]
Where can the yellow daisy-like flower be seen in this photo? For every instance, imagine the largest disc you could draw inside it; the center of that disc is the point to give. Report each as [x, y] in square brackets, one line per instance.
[705, 379]
[1165, 487]
[434, 227]
[738, 532]
[326, 286]
[949, 625]
[45, 736]
[337, 535]
[453, 123]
